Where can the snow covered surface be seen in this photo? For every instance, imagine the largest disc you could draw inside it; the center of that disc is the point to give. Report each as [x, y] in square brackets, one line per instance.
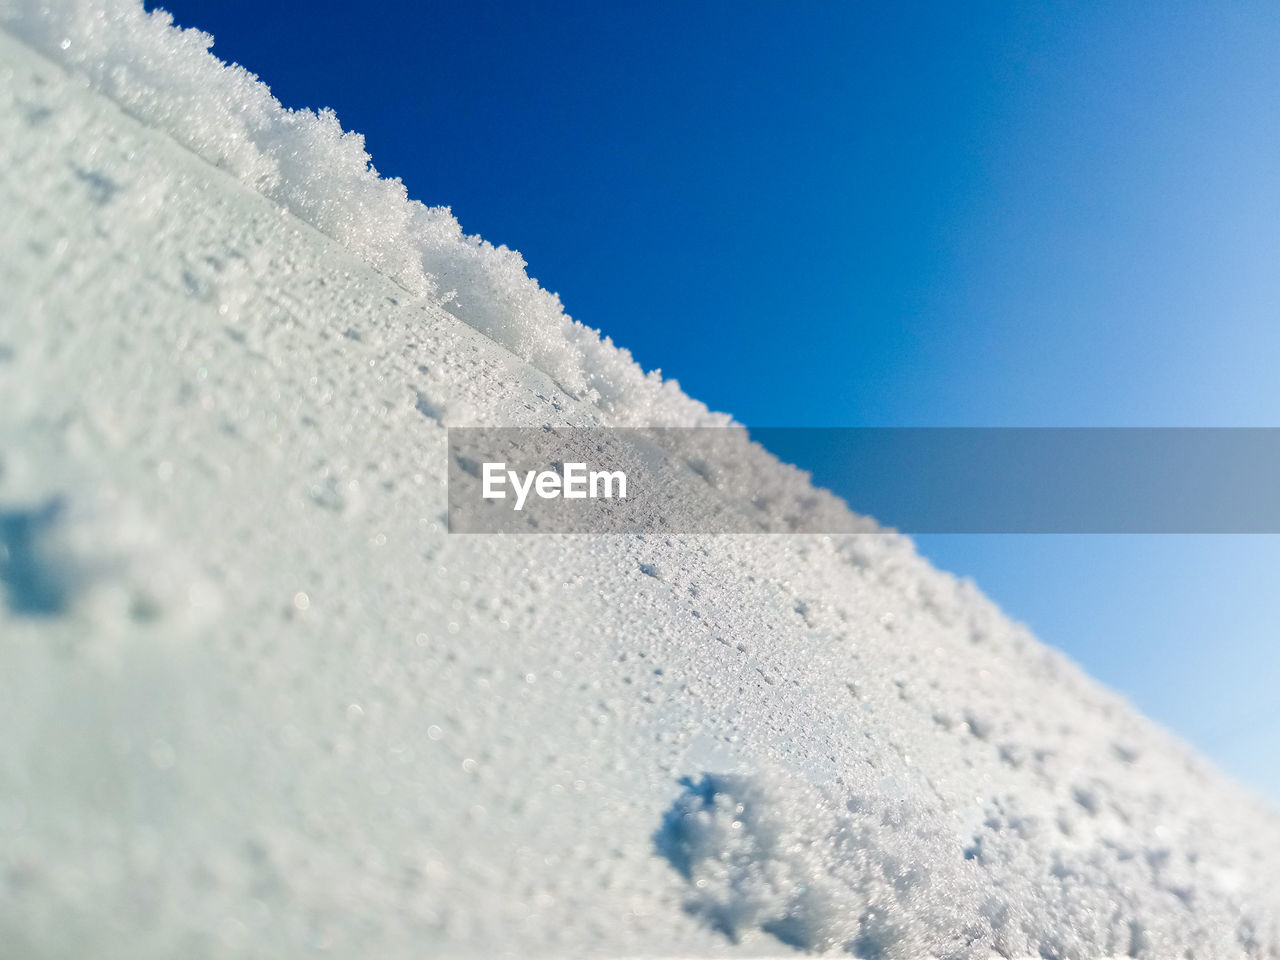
[255, 702]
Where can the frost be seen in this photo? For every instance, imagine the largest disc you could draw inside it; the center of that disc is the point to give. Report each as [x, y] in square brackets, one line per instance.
[304, 161]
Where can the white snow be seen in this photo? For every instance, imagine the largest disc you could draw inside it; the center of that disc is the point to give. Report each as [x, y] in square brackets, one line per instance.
[254, 700]
[304, 162]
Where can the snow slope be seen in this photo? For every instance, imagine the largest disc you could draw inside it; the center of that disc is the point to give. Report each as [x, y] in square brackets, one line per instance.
[255, 702]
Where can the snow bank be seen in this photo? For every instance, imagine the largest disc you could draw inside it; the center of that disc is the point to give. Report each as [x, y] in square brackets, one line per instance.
[255, 701]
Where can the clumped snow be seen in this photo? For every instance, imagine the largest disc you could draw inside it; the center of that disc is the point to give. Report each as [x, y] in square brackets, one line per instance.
[825, 868]
[255, 701]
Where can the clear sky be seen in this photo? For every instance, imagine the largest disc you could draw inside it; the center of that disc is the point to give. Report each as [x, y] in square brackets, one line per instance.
[901, 214]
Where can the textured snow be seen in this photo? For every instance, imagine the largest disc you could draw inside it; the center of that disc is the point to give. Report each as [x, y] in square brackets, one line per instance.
[306, 163]
[254, 701]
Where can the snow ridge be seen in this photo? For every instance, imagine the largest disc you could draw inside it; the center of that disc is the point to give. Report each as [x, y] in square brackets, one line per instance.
[304, 161]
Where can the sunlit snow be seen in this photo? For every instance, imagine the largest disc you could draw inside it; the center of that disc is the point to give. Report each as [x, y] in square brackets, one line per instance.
[254, 701]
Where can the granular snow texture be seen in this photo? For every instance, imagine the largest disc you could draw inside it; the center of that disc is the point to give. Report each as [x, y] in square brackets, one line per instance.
[254, 701]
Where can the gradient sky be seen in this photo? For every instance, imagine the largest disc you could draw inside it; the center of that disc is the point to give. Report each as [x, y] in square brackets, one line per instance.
[912, 214]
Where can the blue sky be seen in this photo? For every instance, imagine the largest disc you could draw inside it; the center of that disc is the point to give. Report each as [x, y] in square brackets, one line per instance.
[911, 214]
